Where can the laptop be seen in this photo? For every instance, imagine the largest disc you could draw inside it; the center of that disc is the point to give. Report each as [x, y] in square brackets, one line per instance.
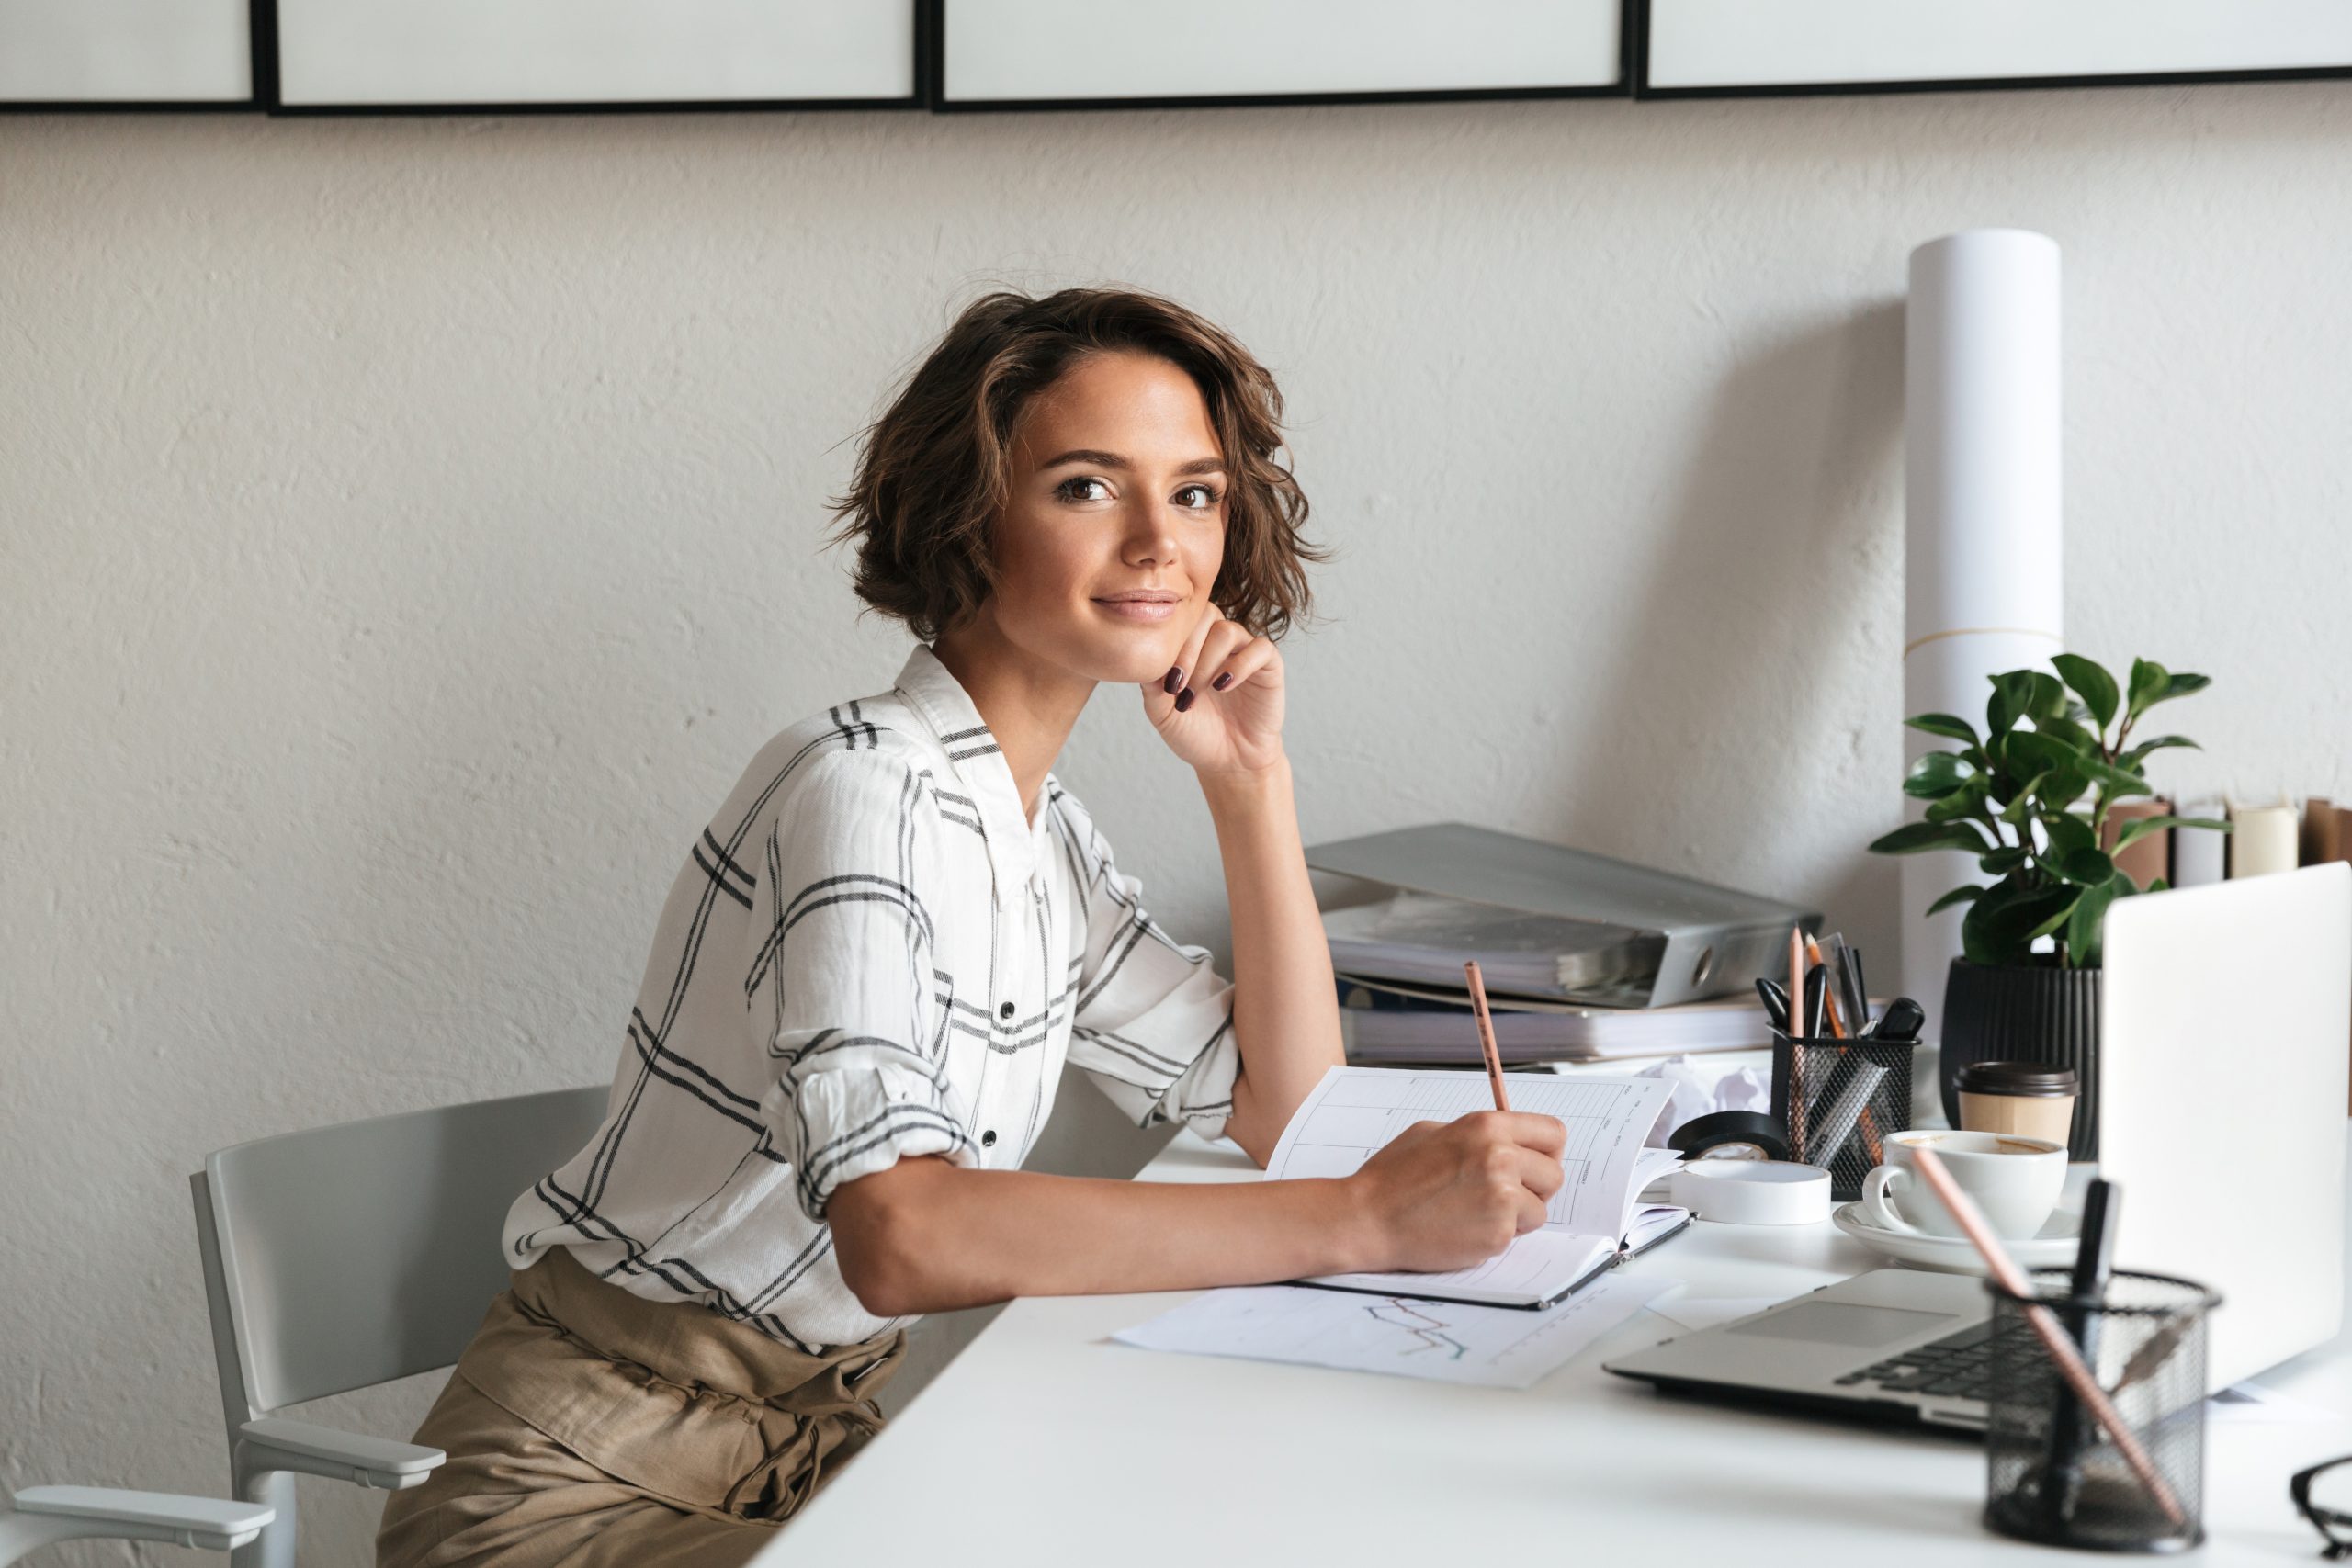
[2225, 1037]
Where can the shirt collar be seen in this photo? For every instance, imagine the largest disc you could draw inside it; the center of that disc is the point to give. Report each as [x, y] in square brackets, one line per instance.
[1015, 845]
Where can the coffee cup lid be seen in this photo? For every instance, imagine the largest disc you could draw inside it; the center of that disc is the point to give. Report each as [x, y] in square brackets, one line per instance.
[2037, 1079]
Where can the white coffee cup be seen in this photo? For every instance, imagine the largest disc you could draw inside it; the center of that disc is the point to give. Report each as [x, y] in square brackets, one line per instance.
[2014, 1178]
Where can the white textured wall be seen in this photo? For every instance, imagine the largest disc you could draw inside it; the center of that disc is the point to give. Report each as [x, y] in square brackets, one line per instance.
[412, 527]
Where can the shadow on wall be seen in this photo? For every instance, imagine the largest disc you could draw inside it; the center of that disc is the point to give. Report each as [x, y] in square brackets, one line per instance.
[1755, 615]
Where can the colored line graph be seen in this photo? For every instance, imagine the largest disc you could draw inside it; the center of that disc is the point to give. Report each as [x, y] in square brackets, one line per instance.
[1426, 1333]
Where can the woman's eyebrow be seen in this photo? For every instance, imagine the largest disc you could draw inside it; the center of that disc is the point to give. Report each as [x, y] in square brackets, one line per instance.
[1112, 460]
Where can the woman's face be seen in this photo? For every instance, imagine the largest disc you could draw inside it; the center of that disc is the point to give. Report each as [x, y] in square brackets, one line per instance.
[1113, 529]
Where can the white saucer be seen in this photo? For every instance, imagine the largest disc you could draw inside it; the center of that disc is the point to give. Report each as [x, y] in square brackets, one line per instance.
[2051, 1247]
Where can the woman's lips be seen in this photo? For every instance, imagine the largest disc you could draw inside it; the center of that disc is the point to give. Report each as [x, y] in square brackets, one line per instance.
[1147, 612]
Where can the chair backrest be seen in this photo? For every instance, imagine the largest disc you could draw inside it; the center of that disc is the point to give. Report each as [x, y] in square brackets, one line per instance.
[357, 1254]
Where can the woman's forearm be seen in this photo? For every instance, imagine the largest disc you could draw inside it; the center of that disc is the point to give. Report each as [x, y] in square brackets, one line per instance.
[1286, 1008]
[925, 1235]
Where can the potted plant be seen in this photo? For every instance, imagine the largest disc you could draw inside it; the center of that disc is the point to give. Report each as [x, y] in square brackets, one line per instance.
[2030, 798]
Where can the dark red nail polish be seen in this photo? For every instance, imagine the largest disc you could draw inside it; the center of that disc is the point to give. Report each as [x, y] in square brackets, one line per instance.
[1184, 699]
[1222, 681]
[1174, 680]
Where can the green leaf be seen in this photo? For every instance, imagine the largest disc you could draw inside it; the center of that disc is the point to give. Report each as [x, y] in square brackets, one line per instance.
[1965, 801]
[2096, 686]
[1946, 725]
[2016, 812]
[2141, 826]
[2067, 834]
[2087, 868]
[2185, 685]
[2122, 783]
[2003, 861]
[1913, 837]
[2012, 696]
[1936, 776]
[2045, 696]
[2157, 884]
[2067, 732]
[2057, 917]
[2043, 752]
[2085, 928]
[2139, 753]
[1957, 896]
[2150, 682]
[1998, 927]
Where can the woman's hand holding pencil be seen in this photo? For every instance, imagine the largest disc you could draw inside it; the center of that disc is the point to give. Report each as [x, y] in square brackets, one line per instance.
[1448, 1194]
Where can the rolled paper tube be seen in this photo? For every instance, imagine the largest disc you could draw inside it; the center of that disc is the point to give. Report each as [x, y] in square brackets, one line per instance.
[1984, 557]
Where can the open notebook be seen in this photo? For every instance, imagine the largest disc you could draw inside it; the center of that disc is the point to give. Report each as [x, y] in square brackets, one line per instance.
[1596, 1219]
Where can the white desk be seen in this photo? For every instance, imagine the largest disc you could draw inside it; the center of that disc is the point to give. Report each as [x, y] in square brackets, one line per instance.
[1047, 1444]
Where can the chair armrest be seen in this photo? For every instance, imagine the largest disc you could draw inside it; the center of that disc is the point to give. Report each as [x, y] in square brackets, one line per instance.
[213, 1524]
[276, 1443]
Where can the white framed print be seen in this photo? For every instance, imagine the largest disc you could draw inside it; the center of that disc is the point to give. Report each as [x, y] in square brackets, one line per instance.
[394, 54]
[125, 54]
[1717, 48]
[1121, 53]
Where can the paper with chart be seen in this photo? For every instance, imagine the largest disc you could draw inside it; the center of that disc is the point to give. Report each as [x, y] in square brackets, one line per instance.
[1354, 1112]
[1489, 1346]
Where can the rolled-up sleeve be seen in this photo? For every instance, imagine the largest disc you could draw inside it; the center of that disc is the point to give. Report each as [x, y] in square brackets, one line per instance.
[1153, 1025]
[840, 978]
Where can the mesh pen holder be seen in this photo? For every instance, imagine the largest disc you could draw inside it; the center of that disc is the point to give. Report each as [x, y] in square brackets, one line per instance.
[2051, 1475]
[1839, 1098]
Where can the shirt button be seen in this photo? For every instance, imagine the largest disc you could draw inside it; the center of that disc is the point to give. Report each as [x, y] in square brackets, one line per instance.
[988, 1139]
[1005, 1011]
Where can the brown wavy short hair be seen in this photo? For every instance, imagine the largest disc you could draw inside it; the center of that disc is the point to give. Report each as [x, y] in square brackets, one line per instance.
[934, 470]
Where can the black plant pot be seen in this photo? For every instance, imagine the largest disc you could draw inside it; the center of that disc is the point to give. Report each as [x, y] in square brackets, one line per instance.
[2025, 1015]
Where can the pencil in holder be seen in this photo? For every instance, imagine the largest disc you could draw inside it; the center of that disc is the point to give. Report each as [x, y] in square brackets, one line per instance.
[2052, 1474]
[1839, 1098]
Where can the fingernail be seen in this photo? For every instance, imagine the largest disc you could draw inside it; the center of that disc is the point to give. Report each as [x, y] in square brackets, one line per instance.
[1175, 679]
[1222, 681]
[1184, 699]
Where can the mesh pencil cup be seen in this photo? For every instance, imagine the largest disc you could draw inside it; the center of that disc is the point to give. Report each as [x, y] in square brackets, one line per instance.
[2052, 1474]
[1839, 1098]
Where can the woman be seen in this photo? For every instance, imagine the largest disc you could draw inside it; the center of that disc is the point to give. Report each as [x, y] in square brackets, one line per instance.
[888, 940]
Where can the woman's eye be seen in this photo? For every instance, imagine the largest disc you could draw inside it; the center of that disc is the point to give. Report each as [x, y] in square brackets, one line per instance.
[1074, 488]
[1208, 497]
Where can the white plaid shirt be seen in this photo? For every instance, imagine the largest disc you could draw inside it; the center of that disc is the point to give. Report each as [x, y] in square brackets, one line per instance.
[870, 953]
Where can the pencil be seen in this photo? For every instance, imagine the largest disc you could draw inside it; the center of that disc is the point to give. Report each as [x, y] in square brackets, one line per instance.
[1797, 1090]
[1486, 1035]
[2053, 1336]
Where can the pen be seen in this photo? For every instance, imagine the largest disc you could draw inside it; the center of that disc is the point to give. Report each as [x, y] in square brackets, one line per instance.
[1486, 1035]
[2061, 1474]
[1776, 1004]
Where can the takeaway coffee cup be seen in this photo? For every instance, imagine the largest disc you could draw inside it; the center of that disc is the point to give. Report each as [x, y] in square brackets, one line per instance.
[2032, 1098]
[2015, 1180]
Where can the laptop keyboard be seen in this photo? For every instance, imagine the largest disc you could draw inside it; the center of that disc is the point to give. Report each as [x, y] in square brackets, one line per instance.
[1958, 1366]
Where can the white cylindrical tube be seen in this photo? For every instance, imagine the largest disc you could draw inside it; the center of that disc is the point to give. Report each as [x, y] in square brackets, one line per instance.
[2264, 839]
[1982, 496]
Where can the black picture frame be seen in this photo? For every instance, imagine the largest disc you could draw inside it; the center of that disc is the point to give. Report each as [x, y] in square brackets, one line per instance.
[271, 99]
[254, 43]
[1638, 41]
[936, 98]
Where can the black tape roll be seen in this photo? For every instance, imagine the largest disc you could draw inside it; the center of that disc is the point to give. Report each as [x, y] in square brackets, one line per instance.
[1717, 1128]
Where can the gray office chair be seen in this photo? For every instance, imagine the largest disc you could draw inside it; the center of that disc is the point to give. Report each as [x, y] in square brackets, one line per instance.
[343, 1257]
[42, 1514]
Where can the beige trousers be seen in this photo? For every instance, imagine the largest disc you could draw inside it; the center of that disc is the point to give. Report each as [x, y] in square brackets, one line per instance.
[587, 1428]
